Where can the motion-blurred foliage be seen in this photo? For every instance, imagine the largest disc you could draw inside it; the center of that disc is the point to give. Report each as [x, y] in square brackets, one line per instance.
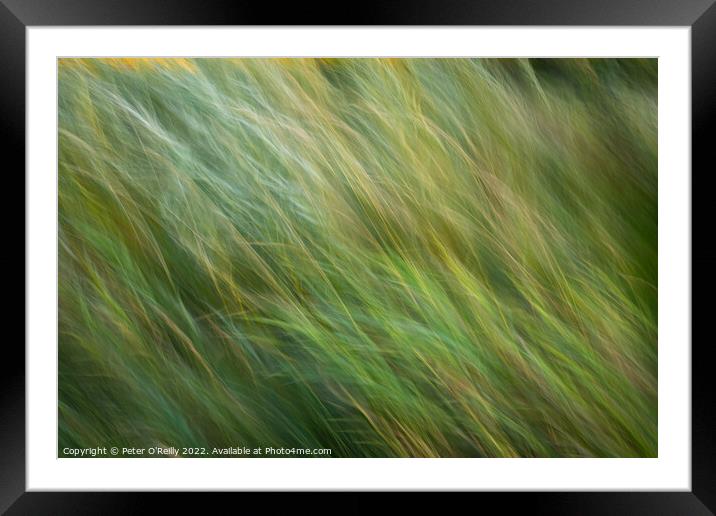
[386, 257]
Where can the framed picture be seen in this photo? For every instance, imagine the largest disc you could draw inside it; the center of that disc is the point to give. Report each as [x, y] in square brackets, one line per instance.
[428, 246]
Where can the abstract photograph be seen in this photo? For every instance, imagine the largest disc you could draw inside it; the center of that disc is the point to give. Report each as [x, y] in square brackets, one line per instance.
[357, 257]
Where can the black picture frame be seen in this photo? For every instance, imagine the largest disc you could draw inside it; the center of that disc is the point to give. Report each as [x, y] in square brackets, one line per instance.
[700, 15]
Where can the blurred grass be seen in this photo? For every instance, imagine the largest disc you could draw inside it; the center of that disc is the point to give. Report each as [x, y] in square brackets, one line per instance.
[386, 257]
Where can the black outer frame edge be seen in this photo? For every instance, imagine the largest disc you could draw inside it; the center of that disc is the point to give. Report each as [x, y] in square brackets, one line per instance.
[12, 365]
[450, 12]
[703, 390]
[386, 12]
[547, 504]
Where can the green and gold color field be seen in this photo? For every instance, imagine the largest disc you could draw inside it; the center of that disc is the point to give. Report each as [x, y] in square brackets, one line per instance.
[383, 257]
